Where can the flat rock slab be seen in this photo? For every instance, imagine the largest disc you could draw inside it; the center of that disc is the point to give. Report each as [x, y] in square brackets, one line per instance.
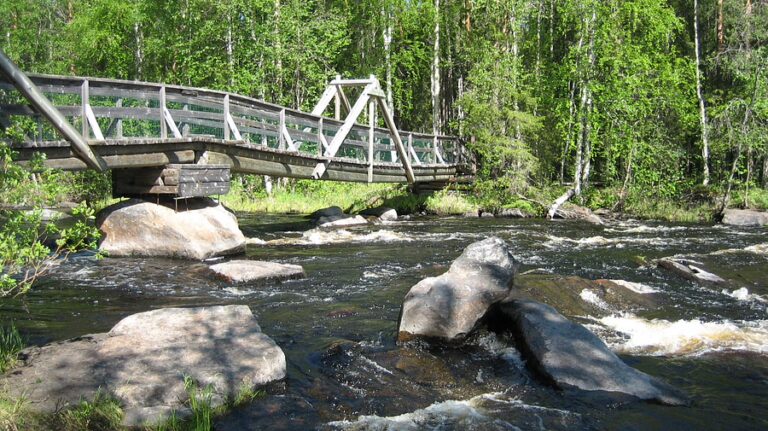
[198, 230]
[736, 217]
[450, 306]
[144, 359]
[570, 356]
[255, 271]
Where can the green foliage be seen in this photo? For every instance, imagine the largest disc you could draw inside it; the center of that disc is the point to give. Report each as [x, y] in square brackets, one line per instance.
[446, 202]
[103, 413]
[200, 404]
[24, 255]
[11, 345]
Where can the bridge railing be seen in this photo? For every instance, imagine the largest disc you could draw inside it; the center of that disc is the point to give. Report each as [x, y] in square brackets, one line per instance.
[107, 109]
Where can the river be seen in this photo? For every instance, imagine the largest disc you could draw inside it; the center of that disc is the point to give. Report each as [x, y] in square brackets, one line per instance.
[338, 326]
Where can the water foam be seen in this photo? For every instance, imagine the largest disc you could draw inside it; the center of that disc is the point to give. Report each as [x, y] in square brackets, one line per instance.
[592, 298]
[467, 414]
[686, 337]
[742, 294]
[320, 237]
[635, 287]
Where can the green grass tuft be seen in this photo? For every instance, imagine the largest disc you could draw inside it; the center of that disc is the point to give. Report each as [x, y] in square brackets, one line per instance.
[11, 345]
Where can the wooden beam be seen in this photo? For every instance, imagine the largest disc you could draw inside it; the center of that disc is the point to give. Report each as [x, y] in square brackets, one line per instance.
[396, 137]
[342, 133]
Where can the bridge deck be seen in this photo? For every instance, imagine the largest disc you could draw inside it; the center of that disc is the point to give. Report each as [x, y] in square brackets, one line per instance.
[131, 124]
[239, 155]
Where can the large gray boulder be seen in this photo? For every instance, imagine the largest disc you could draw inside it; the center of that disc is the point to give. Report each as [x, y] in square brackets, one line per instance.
[450, 306]
[144, 359]
[255, 271]
[199, 230]
[736, 217]
[570, 356]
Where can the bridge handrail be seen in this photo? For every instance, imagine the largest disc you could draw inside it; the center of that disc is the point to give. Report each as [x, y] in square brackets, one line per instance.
[231, 113]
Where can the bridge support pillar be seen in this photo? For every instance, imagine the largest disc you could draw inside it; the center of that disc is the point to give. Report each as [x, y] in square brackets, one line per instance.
[176, 180]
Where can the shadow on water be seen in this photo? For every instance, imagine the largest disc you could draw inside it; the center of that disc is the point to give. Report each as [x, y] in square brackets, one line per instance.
[338, 326]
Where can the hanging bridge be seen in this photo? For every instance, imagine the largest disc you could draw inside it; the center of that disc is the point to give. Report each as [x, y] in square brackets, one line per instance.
[183, 141]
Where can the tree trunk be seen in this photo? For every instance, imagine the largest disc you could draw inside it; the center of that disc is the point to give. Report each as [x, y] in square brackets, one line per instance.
[765, 172]
[388, 59]
[436, 73]
[277, 94]
[139, 37]
[583, 148]
[720, 27]
[230, 52]
[699, 93]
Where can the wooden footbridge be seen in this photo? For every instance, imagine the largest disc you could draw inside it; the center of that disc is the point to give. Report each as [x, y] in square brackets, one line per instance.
[182, 141]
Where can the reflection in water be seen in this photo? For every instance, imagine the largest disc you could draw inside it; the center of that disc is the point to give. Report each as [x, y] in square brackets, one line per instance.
[337, 327]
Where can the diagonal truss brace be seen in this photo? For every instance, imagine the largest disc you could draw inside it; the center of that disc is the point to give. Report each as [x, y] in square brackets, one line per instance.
[371, 93]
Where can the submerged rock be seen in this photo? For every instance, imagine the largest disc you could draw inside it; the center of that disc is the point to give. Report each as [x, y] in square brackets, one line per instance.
[240, 271]
[200, 230]
[570, 356]
[736, 217]
[450, 306]
[689, 271]
[144, 360]
[576, 296]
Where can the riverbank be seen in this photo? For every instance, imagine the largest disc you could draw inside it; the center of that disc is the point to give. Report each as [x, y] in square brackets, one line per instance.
[304, 197]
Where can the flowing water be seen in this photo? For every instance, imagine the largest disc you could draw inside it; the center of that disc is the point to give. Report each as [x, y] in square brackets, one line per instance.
[338, 326]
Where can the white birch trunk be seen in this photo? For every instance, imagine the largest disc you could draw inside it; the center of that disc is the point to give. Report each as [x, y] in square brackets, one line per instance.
[436, 74]
[700, 95]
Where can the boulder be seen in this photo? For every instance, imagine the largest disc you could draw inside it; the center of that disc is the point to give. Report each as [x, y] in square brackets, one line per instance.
[144, 360]
[332, 217]
[736, 217]
[382, 213]
[570, 356]
[450, 306]
[689, 271]
[512, 213]
[575, 212]
[200, 230]
[333, 211]
[254, 271]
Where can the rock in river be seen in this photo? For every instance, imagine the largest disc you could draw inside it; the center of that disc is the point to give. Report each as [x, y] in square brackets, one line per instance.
[745, 217]
[334, 217]
[199, 229]
[571, 356]
[240, 271]
[382, 213]
[448, 307]
[144, 359]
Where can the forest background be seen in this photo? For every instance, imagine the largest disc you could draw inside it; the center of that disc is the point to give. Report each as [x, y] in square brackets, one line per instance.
[655, 107]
